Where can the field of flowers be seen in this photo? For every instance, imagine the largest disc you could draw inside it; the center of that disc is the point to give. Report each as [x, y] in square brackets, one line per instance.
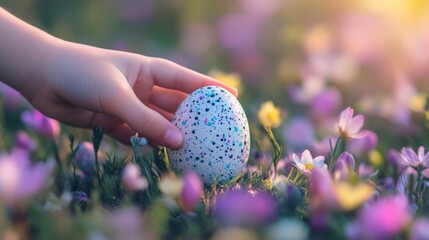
[336, 97]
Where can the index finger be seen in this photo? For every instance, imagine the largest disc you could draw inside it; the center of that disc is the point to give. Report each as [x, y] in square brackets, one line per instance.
[171, 75]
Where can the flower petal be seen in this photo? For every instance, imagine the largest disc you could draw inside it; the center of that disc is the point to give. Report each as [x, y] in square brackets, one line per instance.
[410, 157]
[355, 125]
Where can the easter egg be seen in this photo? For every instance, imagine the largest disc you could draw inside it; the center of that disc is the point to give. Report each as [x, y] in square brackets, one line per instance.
[216, 136]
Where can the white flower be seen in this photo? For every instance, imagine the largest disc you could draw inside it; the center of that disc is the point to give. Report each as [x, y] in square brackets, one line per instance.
[307, 163]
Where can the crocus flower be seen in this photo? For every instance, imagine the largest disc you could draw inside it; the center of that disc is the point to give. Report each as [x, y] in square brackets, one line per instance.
[419, 230]
[416, 161]
[191, 192]
[307, 163]
[19, 179]
[349, 126]
[41, 124]
[25, 142]
[365, 144]
[344, 165]
[326, 104]
[299, 133]
[132, 178]
[243, 208]
[85, 158]
[350, 196]
[322, 197]
[269, 115]
[383, 219]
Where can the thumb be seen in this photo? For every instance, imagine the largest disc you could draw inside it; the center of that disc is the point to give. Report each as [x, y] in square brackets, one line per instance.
[146, 121]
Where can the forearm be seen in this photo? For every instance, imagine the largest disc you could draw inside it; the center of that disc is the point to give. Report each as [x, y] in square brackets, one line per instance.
[23, 49]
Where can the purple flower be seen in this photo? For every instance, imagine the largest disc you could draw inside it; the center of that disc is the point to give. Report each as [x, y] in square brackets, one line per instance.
[383, 219]
[395, 159]
[243, 208]
[85, 158]
[191, 192]
[344, 165]
[365, 144]
[326, 105]
[299, 133]
[41, 124]
[19, 179]
[350, 126]
[416, 161]
[419, 230]
[238, 32]
[25, 142]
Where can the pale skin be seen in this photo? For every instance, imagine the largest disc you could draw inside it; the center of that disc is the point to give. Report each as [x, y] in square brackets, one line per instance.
[85, 86]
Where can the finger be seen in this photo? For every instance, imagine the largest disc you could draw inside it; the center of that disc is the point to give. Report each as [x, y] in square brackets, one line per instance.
[122, 133]
[144, 120]
[167, 115]
[167, 99]
[171, 75]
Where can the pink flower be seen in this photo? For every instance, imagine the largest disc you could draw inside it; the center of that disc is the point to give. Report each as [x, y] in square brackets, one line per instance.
[191, 192]
[19, 179]
[132, 178]
[383, 219]
[41, 124]
[413, 160]
[350, 126]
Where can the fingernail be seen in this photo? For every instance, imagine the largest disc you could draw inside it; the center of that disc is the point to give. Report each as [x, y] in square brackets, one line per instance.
[173, 138]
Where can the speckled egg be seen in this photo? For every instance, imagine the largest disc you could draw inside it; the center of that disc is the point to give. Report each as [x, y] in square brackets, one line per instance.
[217, 138]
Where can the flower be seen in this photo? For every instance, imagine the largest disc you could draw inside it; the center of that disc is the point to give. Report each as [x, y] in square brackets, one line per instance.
[419, 230]
[299, 133]
[306, 163]
[41, 124]
[269, 115]
[19, 179]
[191, 191]
[23, 141]
[132, 178]
[416, 161]
[85, 158]
[383, 219]
[344, 166]
[326, 104]
[348, 125]
[230, 79]
[365, 144]
[350, 196]
[243, 208]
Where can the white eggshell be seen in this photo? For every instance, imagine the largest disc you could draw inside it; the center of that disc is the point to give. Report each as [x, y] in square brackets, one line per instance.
[217, 138]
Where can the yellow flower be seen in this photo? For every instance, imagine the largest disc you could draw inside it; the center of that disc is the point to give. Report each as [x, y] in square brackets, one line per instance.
[170, 185]
[269, 115]
[351, 196]
[417, 103]
[375, 158]
[230, 79]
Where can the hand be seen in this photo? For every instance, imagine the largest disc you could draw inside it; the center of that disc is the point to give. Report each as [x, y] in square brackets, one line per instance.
[124, 93]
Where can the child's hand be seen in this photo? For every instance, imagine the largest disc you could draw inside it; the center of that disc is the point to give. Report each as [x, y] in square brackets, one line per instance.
[86, 86]
[124, 93]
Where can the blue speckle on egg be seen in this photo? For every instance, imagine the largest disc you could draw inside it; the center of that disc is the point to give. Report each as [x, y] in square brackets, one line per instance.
[217, 138]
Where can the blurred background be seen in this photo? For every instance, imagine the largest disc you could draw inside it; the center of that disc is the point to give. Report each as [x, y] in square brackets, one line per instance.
[311, 58]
